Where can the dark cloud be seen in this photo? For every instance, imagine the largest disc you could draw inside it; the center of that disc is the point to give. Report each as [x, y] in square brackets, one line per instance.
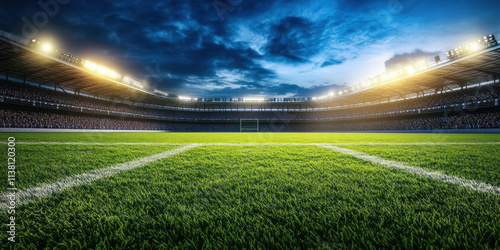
[293, 39]
[185, 48]
[331, 62]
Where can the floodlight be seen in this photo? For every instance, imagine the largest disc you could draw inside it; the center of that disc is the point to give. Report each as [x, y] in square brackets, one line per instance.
[185, 98]
[113, 74]
[91, 66]
[102, 70]
[410, 70]
[474, 46]
[160, 92]
[47, 47]
[250, 99]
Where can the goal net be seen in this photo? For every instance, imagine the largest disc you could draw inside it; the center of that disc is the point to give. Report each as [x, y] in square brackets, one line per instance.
[249, 125]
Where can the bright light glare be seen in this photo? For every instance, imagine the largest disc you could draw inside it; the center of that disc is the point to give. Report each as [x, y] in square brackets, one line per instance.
[185, 98]
[91, 66]
[104, 71]
[160, 92]
[474, 46]
[113, 74]
[410, 69]
[422, 65]
[47, 47]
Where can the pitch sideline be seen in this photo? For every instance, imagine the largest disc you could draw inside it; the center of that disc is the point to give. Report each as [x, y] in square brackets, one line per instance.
[470, 184]
[27, 195]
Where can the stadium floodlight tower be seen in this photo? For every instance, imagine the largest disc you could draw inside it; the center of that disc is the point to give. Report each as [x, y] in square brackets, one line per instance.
[249, 125]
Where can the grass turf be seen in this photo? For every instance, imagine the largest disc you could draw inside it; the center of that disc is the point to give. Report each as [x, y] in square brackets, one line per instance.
[37, 164]
[262, 197]
[477, 162]
[251, 137]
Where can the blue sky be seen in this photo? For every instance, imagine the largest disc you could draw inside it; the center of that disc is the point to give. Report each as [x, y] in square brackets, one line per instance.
[243, 48]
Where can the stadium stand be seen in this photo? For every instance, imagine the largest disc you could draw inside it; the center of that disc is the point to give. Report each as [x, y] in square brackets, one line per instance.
[466, 109]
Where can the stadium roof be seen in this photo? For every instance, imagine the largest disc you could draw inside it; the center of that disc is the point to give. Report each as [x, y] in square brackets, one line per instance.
[20, 61]
[479, 67]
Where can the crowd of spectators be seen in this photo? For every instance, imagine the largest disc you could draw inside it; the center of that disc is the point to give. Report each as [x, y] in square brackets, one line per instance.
[18, 90]
[34, 119]
[486, 120]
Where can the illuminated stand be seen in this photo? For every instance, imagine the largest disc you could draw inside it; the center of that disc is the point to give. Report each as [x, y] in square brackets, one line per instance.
[249, 125]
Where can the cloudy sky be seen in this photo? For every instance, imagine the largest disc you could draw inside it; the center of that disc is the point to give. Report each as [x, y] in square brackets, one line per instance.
[244, 48]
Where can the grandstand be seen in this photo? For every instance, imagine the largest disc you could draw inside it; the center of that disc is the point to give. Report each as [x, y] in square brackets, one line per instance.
[49, 88]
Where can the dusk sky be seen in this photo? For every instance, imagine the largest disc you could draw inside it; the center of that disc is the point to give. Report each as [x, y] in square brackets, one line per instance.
[243, 48]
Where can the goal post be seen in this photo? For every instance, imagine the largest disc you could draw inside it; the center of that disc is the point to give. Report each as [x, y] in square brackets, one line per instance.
[249, 125]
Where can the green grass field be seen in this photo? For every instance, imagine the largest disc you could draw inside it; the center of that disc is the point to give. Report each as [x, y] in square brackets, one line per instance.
[252, 137]
[256, 196]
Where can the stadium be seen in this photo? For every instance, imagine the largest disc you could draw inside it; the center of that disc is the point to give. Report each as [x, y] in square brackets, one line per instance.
[95, 158]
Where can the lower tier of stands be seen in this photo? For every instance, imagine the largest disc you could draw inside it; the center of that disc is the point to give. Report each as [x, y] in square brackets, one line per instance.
[19, 117]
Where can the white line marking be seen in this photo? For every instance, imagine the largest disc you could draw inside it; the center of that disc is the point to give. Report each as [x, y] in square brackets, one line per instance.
[470, 184]
[96, 143]
[419, 143]
[258, 144]
[24, 196]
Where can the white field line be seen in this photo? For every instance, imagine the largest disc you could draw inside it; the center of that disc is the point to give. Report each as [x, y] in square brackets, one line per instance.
[24, 196]
[95, 143]
[258, 144]
[470, 184]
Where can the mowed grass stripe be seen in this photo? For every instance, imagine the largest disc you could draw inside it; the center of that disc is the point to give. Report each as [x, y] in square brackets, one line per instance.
[24, 196]
[470, 184]
[262, 197]
[39, 164]
[475, 162]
